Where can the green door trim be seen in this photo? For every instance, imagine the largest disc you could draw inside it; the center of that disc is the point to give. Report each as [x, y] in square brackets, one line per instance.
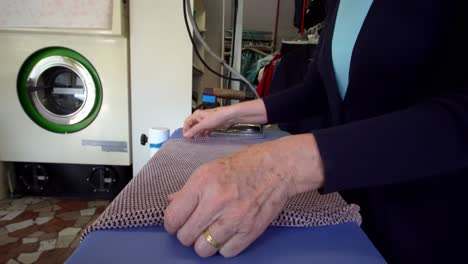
[28, 105]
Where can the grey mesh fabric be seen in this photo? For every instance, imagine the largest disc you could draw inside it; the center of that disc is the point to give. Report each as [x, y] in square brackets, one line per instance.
[144, 199]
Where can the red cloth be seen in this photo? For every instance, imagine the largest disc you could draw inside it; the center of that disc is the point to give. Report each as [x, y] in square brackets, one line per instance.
[264, 86]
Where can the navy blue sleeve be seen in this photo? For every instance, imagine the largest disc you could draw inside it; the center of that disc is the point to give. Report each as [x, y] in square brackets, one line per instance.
[305, 100]
[429, 139]
[298, 102]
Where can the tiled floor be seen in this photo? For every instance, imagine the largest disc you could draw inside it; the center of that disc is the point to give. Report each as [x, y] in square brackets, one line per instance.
[43, 230]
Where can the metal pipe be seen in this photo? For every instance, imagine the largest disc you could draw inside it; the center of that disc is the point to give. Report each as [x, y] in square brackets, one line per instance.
[198, 35]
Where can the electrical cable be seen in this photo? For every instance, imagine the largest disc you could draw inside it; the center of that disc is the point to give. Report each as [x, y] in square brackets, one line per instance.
[213, 54]
[198, 53]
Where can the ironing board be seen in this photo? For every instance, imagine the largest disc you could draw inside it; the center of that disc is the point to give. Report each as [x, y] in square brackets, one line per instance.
[343, 243]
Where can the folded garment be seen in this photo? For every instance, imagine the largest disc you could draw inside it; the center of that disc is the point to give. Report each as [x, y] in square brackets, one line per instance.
[144, 199]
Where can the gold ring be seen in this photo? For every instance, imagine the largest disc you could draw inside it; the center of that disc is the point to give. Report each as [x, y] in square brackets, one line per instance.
[210, 239]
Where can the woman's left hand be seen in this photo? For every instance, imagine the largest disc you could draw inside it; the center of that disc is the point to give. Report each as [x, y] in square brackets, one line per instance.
[237, 197]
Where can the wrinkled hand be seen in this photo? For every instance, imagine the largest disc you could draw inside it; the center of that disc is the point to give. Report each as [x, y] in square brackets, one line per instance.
[237, 197]
[203, 122]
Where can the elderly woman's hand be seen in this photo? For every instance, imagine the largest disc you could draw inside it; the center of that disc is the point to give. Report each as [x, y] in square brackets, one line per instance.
[203, 122]
[235, 198]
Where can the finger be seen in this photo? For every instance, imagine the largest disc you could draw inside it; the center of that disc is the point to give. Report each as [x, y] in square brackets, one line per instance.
[241, 240]
[238, 243]
[198, 221]
[193, 119]
[189, 123]
[220, 231]
[179, 210]
[193, 131]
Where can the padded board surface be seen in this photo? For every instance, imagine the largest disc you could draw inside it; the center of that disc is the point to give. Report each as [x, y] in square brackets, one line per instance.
[345, 243]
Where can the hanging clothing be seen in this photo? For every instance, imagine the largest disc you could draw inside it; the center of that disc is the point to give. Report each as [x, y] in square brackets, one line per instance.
[264, 85]
[255, 75]
[315, 13]
[249, 64]
[260, 74]
[295, 60]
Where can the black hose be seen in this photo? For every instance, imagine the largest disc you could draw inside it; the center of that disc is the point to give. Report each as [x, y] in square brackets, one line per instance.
[198, 53]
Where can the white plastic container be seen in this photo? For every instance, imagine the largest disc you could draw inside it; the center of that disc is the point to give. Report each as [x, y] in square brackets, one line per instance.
[156, 138]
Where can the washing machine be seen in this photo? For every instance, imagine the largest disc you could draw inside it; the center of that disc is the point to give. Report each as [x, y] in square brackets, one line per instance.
[64, 94]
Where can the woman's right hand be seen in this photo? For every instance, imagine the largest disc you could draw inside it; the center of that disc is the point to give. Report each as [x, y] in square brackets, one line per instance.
[203, 122]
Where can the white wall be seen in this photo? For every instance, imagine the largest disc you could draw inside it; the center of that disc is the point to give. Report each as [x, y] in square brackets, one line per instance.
[214, 26]
[161, 70]
[261, 14]
[286, 29]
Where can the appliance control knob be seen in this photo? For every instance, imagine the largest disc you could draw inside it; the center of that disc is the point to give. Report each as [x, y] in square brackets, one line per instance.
[143, 139]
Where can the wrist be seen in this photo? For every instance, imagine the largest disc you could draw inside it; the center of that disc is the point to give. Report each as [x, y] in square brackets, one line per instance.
[232, 114]
[304, 163]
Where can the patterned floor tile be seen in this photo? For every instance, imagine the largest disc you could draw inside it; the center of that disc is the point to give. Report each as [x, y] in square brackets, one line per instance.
[36, 234]
[69, 231]
[25, 232]
[98, 204]
[42, 220]
[29, 258]
[100, 210]
[75, 242]
[19, 225]
[24, 248]
[47, 245]
[12, 261]
[3, 213]
[29, 240]
[4, 204]
[56, 225]
[52, 256]
[48, 236]
[47, 214]
[40, 205]
[67, 216]
[17, 207]
[65, 241]
[43, 230]
[73, 205]
[11, 215]
[82, 221]
[88, 212]
[5, 240]
[24, 215]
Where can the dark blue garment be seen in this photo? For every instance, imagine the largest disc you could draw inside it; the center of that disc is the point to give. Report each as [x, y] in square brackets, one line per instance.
[315, 13]
[291, 71]
[398, 143]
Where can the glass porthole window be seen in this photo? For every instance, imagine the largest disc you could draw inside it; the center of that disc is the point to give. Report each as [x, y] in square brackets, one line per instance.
[59, 90]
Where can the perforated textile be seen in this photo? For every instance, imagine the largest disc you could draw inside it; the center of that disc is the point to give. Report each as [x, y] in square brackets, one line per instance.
[144, 199]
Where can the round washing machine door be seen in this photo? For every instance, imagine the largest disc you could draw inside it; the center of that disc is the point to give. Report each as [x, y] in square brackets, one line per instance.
[60, 90]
